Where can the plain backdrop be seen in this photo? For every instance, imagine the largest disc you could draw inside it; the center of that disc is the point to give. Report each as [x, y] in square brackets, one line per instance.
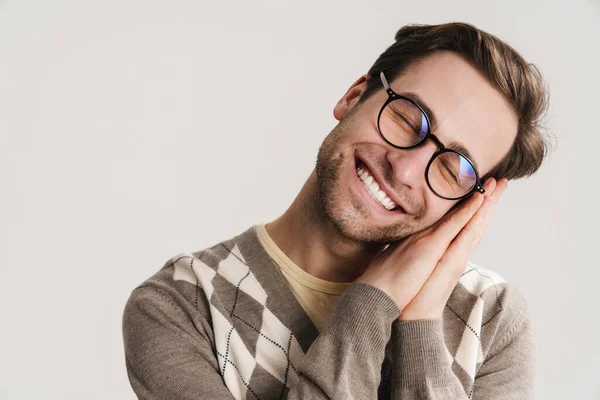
[133, 130]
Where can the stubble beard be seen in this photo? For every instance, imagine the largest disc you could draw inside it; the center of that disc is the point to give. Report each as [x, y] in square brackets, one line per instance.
[352, 220]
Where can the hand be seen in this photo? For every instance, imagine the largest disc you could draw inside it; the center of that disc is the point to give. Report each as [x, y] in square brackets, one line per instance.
[433, 296]
[420, 272]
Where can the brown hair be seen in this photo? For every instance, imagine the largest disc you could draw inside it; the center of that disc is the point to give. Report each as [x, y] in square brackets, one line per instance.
[520, 82]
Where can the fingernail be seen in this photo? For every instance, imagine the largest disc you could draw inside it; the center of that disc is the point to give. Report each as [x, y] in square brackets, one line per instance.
[489, 184]
[501, 190]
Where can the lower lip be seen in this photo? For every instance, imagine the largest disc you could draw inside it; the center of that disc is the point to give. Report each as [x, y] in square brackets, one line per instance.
[375, 205]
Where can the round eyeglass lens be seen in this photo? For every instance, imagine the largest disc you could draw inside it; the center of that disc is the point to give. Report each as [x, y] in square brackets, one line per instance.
[451, 175]
[402, 123]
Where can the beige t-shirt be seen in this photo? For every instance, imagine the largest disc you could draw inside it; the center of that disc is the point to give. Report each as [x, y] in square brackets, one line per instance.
[317, 297]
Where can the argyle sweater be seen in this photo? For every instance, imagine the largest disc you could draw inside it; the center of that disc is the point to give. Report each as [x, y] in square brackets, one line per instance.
[222, 323]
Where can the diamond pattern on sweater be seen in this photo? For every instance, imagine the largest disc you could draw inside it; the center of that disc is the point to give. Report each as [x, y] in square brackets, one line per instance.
[274, 349]
[238, 306]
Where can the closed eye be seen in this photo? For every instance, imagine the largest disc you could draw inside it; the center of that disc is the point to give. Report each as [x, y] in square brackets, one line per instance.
[449, 169]
[409, 123]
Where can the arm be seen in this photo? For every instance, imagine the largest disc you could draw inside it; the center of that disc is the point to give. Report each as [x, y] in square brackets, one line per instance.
[169, 357]
[166, 355]
[345, 360]
[422, 370]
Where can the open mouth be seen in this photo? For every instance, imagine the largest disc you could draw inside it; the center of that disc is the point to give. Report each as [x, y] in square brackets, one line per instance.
[373, 188]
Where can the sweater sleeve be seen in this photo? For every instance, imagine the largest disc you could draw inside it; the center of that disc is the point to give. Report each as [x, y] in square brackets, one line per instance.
[345, 360]
[422, 369]
[167, 357]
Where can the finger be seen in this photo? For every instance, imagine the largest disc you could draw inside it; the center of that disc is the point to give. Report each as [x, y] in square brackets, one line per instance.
[471, 234]
[489, 187]
[461, 248]
[493, 197]
[501, 186]
[452, 264]
[451, 224]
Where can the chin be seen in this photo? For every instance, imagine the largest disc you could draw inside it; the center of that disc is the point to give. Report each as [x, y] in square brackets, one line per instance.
[353, 222]
[347, 204]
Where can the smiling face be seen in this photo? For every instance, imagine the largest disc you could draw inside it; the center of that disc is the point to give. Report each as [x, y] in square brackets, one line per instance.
[468, 112]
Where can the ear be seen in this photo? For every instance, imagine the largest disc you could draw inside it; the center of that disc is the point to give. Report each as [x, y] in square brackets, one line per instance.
[351, 97]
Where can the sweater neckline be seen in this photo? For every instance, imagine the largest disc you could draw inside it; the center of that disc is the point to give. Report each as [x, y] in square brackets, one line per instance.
[293, 270]
[280, 299]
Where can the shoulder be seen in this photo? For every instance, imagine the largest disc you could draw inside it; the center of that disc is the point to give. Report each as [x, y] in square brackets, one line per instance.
[164, 301]
[185, 272]
[483, 312]
[181, 286]
[185, 280]
[491, 293]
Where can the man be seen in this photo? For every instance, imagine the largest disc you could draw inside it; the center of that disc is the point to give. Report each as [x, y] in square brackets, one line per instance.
[362, 288]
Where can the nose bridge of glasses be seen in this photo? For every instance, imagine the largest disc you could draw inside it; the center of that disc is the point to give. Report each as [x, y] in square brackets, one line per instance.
[437, 141]
[410, 164]
[426, 150]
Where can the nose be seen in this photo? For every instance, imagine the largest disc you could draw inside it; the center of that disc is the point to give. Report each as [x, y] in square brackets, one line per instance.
[409, 165]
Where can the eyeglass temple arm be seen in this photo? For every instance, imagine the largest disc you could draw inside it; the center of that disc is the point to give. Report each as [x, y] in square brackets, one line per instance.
[386, 85]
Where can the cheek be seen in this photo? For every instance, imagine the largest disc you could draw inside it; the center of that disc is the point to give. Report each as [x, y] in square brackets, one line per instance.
[361, 125]
[436, 208]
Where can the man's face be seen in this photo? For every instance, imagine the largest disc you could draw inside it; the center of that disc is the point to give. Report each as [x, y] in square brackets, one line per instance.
[468, 111]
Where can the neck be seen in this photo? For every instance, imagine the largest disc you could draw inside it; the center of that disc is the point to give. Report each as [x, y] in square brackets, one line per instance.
[309, 238]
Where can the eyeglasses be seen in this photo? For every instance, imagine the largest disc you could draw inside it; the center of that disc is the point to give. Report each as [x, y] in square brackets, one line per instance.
[404, 124]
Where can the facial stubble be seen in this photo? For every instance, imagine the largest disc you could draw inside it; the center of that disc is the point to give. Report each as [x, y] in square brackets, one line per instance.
[351, 217]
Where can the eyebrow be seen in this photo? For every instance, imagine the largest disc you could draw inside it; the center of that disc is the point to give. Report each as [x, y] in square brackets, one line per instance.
[458, 146]
[417, 99]
[455, 145]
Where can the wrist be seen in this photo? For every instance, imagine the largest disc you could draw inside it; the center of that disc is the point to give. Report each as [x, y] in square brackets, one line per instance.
[385, 287]
[409, 314]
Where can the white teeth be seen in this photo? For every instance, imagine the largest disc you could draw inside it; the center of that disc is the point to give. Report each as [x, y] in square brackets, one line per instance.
[373, 189]
[388, 203]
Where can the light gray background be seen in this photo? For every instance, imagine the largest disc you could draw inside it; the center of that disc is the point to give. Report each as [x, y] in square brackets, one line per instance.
[118, 150]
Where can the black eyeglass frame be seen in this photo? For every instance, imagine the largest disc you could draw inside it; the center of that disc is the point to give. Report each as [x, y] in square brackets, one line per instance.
[442, 149]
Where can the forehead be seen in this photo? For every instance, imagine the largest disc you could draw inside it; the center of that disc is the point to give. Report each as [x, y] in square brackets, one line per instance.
[467, 108]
